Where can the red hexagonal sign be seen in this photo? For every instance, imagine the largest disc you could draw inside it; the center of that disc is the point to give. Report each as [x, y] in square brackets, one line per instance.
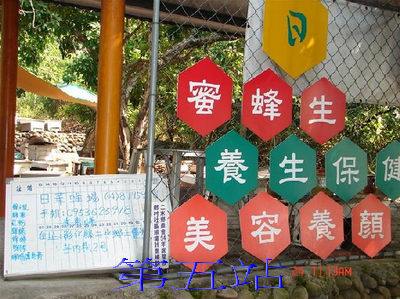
[322, 111]
[371, 225]
[321, 225]
[198, 233]
[264, 225]
[204, 96]
[267, 105]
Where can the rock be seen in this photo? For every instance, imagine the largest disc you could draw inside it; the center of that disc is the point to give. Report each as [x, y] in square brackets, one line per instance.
[262, 295]
[365, 296]
[393, 280]
[299, 292]
[66, 141]
[357, 283]
[335, 290]
[394, 291]
[313, 289]
[379, 279]
[245, 294]
[184, 295]
[384, 291]
[267, 292]
[350, 294]
[280, 293]
[368, 281]
[227, 293]
[209, 294]
[376, 296]
[343, 283]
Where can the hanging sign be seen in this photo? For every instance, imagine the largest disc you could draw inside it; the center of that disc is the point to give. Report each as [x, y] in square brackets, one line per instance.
[321, 225]
[232, 167]
[371, 225]
[267, 105]
[264, 226]
[322, 111]
[293, 169]
[295, 34]
[198, 233]
[204, 96]
[346, 169]
[388, 170]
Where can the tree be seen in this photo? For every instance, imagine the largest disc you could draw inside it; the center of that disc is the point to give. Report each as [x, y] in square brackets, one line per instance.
[77, 34]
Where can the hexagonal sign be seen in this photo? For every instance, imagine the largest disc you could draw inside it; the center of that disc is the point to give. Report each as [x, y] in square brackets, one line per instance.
[264, 225]
[321, 225]
[346, 169]
[204, 96]
[295, 34]
[231, 167]
[322, 111]
[267, 105]
[387, 174]
[371, 225]
[293, 169]
[198, 233]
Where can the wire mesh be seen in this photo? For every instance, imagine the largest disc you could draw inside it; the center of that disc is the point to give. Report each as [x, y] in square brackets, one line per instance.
[362, 61]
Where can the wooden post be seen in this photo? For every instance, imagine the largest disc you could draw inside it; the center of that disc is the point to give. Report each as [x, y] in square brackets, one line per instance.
[9, 59]
[109, 89]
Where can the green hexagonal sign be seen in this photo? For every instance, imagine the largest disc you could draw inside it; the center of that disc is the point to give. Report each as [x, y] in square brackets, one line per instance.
[231, 167]
[346, 169]
[293, 169]
[387, 174]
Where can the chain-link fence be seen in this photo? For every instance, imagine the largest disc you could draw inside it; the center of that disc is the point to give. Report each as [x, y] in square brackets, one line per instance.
[362, 61]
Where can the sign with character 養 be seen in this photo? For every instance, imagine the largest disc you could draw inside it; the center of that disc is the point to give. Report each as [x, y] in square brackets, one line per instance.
[76, 224]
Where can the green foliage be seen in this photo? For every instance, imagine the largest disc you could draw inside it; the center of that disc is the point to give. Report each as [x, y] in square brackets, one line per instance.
[196, 293]
[164, 295]
[55, 44]
[84, 115]
[252, 286]
[300, 280]
[33, 106]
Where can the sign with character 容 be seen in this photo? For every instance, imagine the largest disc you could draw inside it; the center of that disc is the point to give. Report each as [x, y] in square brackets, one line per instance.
[264, 225]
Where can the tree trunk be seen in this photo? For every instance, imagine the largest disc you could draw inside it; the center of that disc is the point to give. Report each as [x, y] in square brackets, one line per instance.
[140, 130]
[89, 144]
[125, 141]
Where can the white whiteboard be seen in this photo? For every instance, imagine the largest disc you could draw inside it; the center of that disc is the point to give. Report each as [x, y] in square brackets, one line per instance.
[78, 223]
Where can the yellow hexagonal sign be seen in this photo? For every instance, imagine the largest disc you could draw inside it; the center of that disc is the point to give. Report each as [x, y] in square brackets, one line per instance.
[295, 34]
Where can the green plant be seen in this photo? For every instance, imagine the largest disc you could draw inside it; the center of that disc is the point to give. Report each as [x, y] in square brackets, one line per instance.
[300, 280]
[196, 293]
[252, 286]
[163, 295]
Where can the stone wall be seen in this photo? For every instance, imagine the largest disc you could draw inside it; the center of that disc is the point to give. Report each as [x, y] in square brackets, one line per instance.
[66, 142]
[376, 279]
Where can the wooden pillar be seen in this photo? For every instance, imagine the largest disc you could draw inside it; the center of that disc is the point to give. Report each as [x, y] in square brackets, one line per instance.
[109, 86]
[9, 59]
